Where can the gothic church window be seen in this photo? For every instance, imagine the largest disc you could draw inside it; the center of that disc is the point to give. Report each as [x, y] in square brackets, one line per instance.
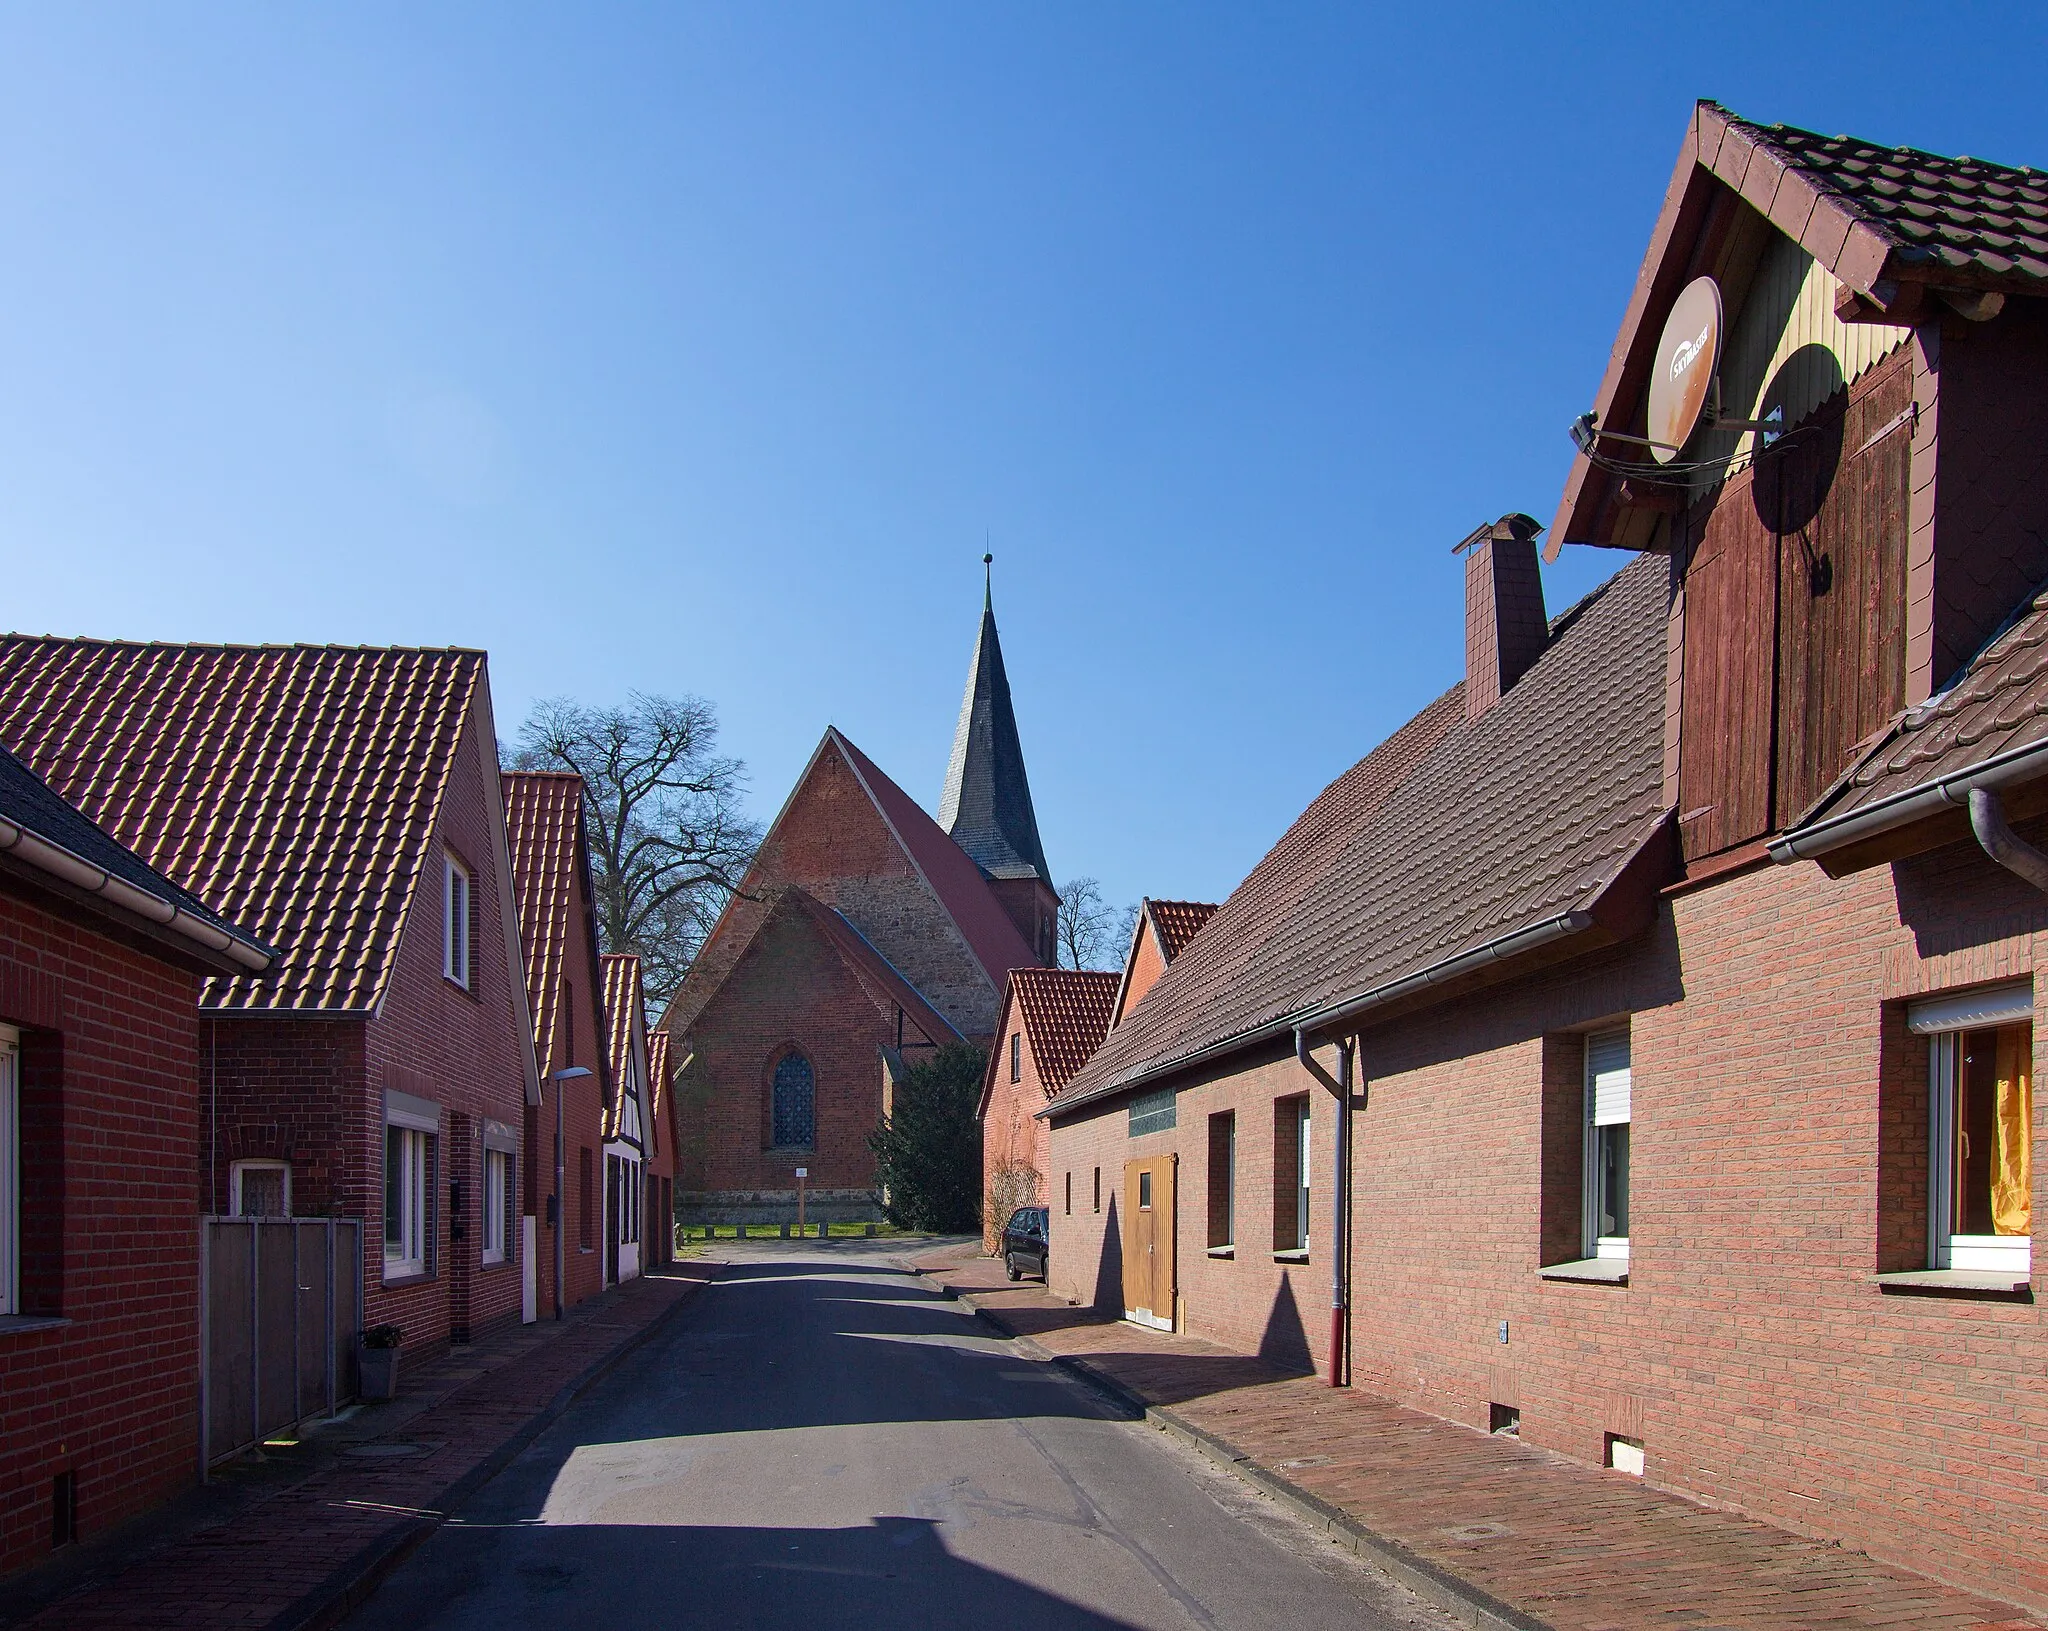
[795, 1109]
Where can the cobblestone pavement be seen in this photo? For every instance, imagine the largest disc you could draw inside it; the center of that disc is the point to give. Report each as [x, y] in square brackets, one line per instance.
[1519, 1530]
[302, 1550]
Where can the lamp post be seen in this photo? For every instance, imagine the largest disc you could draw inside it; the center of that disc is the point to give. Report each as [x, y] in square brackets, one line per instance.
[561, 1205]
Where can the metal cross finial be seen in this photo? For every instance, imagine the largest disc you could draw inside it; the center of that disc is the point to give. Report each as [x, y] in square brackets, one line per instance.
[988, 585]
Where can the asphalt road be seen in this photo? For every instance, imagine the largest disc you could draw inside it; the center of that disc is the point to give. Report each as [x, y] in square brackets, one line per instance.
[818, 1440]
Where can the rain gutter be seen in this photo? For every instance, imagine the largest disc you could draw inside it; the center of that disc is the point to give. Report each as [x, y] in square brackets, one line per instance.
[1915, 803]
[75, 870]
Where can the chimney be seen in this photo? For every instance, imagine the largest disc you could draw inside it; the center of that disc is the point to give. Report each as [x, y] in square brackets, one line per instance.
[1505, 629]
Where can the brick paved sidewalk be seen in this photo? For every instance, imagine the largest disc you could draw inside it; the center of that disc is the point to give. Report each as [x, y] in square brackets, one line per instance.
[304, 1553]
[1523, 1537]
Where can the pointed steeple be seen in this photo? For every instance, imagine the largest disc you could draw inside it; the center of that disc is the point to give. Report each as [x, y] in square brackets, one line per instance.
[987, 802]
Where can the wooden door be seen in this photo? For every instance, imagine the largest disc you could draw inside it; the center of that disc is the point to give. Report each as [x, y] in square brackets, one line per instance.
[1148, 1235]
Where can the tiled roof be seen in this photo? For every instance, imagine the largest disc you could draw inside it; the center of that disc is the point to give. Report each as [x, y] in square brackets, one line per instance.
[1177, 922]
[1066, 1016]
[295, 788]
[1999, 706]
[624, 1001]
[1983, 224]
[657, 1082]
[543, 828]
[27, 804]
[1449, 835]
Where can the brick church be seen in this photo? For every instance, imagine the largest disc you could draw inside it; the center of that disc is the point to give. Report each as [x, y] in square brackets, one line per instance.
[865, 936]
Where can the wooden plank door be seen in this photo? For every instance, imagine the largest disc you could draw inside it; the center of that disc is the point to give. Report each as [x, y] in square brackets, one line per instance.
[1148, 1241]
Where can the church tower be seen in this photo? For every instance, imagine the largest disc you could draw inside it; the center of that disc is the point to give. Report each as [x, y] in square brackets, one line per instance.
[986, 807]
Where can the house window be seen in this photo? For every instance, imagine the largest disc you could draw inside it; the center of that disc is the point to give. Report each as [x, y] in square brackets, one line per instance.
[497, 1204]
[583, 1198]
[455, 921]
[1607, 1122]
[1980, 1126]
[1098, 1189]
[1290, 1176]
[10, 1173]
[408, 1200]
[1016, 1056]
[260, 1189]
[1222, 1180]
[1153, 1113]
[794, 1108]
[1070, 1194]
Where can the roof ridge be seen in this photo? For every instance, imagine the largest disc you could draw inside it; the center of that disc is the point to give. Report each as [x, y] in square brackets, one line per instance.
[118, 643]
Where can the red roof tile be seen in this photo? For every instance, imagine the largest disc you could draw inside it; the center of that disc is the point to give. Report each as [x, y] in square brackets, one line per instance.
[295, 789]
[657, 1079]
[624, 1001]
[1177, 922]
[1066, 1016]
[543, 828]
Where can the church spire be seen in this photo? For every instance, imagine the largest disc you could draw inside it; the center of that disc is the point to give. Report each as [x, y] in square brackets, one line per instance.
[987, 802]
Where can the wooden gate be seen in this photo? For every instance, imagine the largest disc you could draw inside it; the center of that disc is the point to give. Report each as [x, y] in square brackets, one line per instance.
[281, 1305]
[1148, 1241]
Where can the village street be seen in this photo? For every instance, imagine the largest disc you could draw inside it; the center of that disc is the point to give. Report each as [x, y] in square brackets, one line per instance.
[819, 1439]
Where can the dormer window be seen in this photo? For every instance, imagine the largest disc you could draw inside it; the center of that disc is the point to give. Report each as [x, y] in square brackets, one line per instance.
[455, 921]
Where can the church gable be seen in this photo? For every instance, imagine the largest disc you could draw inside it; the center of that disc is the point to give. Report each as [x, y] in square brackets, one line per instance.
[834, 840]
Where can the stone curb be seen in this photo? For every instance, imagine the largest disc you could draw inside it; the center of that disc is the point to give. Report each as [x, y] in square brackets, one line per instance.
[1456, 1595]
[350, 1585]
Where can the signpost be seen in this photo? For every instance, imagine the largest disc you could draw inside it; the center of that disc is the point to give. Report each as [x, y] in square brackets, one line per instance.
[801, 1174]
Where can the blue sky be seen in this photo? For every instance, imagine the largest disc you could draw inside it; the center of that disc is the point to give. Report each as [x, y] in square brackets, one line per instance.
[700, 348]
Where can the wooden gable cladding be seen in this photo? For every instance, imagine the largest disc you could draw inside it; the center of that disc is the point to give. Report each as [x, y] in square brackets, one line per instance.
[1795, 603]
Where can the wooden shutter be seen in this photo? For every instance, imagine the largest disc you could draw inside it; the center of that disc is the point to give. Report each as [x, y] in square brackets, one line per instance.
[1842, 582]
[1730, 656]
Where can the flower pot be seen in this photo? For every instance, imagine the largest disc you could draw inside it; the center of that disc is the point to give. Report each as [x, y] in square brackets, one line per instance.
[380, 1372]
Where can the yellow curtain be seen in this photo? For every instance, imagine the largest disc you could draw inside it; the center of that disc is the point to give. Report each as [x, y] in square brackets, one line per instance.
[2012, 1166]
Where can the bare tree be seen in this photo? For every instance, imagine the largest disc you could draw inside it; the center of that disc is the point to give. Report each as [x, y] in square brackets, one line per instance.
[1091, 933]
[669, 844]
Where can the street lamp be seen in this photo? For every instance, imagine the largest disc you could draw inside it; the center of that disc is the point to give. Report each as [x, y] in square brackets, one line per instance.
[561, 1222]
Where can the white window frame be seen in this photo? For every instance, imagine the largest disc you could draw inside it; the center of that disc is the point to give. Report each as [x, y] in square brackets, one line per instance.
[497, 1182]
[415, 1124]
[455, 905]
[1302, 1143]
[1943, 1021]
[237, 1170]
[10, 1171]
[1606, 1091]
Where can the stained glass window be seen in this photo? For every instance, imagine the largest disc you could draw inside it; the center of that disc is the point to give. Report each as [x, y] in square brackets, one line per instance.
[795, 1117]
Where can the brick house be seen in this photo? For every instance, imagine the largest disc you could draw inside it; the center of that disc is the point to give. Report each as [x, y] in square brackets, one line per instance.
[1635, 1050]
[343, 803]
[1161, 933]
[864, 934]
[629, 1121]
[550, 863]
[661, 1152]
[101, 963]
[1051, 1020]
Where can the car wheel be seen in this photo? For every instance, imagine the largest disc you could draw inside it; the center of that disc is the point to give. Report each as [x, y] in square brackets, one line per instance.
[1010, 1264]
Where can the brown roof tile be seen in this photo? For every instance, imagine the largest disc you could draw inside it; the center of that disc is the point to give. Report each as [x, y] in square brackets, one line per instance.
[294, 788]
[1066, 1016]
[657, 1076]
[1450, 834]
[1178, 922]
[543, 828]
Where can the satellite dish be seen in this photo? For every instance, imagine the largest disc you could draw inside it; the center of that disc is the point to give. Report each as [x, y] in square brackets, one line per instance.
[1688, 358]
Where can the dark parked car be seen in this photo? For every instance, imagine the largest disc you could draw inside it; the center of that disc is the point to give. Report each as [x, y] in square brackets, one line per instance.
[1024, 1242]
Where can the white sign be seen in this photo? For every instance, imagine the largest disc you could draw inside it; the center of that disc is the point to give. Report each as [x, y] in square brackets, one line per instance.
[803, 1172]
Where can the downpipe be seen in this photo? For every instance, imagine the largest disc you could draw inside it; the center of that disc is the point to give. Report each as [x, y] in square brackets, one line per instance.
[1340, 1195]
[1997, 839]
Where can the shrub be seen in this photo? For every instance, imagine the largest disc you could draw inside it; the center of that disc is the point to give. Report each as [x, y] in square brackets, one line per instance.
[928, 1152]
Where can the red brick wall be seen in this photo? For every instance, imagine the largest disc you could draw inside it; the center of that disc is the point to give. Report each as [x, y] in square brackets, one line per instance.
[791, 988]
[1009, 1131]
[461, 1048]
[1146, 967]
[281, 1084]
[1778, 1161]
[110, 1071]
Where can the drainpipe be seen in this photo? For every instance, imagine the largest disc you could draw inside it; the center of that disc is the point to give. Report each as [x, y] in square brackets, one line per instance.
[1340, 1193]
[1997, 839]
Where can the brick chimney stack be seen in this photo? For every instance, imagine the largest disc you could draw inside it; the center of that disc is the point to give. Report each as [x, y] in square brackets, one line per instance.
[1505, 628]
